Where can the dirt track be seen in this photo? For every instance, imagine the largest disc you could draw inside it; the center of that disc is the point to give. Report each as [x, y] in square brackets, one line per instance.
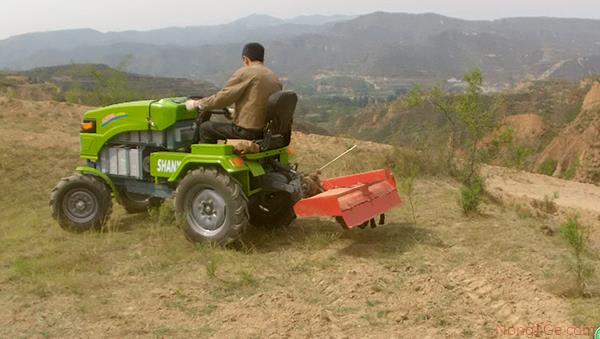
[546, 196]
[564, 193]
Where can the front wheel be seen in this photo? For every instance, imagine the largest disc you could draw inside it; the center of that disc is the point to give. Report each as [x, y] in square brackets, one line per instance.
[213, 205]
[80, 203]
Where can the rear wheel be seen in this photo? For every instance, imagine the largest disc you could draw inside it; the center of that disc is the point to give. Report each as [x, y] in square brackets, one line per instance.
[272, 210]
[213, 206]
[80, 203]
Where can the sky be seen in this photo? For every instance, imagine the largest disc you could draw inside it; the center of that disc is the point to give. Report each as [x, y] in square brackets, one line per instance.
[24, 16]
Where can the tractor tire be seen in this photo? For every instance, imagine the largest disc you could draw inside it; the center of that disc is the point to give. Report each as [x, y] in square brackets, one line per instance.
[213, 205]
[81, 203]
[274, 210]
[135, 203]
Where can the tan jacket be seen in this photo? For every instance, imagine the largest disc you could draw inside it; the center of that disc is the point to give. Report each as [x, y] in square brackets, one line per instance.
[249, 89]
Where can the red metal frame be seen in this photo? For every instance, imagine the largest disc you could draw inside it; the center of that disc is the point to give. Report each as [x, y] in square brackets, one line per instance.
[355, 198]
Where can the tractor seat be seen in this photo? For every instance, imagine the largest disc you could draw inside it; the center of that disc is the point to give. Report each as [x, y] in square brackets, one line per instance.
[280, 117]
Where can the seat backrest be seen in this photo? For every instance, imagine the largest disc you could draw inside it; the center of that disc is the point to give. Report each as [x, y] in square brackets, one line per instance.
[280, 114]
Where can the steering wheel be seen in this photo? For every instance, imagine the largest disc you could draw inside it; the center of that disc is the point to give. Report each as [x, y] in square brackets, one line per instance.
[226, 112]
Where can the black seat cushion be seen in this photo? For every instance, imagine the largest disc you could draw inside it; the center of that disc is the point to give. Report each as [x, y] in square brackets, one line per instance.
[280, 114]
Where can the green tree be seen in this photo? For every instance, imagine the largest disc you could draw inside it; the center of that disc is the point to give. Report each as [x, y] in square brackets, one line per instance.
[576, 235]
[469, 118]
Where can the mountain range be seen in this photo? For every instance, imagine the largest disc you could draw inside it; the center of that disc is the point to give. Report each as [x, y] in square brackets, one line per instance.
[380, 45]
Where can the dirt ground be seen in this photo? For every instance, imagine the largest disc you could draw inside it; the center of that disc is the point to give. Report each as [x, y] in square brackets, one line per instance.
[446, 275]
[564, 193]
[547, 197]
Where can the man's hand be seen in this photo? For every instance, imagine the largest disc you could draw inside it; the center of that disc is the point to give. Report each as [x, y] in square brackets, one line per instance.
[229, 113]
[191, 105]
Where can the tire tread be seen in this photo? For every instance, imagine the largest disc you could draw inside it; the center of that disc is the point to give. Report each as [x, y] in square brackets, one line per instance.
[240, 217]
[105, 201]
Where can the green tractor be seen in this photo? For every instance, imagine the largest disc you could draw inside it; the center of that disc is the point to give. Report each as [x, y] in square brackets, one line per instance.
[143, 152]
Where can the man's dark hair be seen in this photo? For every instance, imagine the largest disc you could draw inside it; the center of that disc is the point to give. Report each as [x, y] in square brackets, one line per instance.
[254, 51]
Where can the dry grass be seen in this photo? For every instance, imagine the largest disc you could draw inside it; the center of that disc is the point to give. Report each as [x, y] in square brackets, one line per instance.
[448, 276]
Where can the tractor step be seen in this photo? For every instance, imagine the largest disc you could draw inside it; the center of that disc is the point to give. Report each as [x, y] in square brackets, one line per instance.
[355, 199]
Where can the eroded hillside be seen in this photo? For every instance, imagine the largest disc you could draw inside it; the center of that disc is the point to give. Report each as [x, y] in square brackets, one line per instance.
[549, 127]
[575, 152]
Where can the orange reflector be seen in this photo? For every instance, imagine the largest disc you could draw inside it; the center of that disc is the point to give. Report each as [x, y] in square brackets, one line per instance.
[237, 162]
[290, 151]
[88, 127]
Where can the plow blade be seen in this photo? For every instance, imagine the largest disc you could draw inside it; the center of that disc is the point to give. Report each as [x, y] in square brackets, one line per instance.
[356, 199]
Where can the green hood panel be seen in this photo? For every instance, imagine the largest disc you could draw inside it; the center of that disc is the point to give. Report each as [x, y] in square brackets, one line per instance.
[147, 115]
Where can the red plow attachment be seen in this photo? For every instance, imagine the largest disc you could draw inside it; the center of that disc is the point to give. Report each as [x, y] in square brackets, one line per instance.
[354, 200]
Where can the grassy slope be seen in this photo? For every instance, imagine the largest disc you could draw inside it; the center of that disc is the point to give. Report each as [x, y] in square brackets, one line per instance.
[56, 82]
[447, 275]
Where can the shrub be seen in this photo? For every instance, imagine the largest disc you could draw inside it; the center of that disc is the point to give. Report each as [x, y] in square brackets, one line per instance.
[548, 167]
[408, 189]
[471, 194]
[572, 170]
[576, 236]
[11, 94]
[164, 214]
[519, 155]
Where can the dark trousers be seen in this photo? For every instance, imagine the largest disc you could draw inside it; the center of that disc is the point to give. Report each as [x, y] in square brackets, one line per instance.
[211, 132]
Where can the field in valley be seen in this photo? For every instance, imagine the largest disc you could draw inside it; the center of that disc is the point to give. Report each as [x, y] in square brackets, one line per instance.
[445, 275]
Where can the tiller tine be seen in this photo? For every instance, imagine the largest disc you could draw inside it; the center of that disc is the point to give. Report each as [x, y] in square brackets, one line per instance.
[355, 200]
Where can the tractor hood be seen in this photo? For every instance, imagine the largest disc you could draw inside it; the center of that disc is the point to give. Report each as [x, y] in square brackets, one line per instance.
[146, 115]
[155, 115]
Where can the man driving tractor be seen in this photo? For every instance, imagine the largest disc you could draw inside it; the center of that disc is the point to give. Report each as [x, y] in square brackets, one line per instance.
[142, 152]
[249, 88]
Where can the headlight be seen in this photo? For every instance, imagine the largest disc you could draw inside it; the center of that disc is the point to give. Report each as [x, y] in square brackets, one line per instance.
[88, 126]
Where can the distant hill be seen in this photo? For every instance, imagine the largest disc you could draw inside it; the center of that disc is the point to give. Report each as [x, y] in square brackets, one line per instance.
[37, 46]
[261, 20]
[574, 69]
[383, 45]
[77, 81]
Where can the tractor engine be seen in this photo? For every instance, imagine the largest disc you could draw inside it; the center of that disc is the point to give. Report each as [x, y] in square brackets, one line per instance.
[128, 154]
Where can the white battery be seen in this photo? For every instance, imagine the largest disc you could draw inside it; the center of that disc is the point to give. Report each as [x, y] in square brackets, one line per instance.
[124, 137]
[158, 138]
[144, 137]
[134, 136]
[105, 161]
[113, 161]
[134, 162]
[123, 156]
